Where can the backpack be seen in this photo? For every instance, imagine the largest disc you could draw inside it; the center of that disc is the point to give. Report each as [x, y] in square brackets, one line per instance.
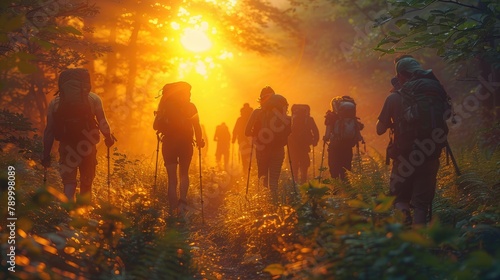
[173, 117]
[424, 108]
[347, 127]
[73, 115]
[274, 125]
[301, 125]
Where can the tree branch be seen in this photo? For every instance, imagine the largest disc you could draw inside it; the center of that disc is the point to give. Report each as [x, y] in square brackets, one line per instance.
[460, 4]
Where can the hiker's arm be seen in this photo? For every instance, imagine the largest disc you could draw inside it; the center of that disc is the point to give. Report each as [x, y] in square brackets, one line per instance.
[330, 119]
[197, 131]
[250, 124]
[48, 136]
[381, 127]
[385, 118]
[328, 132]
[315, 132]
[235, 130]
[101, 118]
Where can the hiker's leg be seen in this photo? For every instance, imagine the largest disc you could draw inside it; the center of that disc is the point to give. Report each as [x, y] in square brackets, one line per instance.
[334, 162]
[424, 190]
[401, 188]
[275, 163]
[169, 152]
[245, 159]
[305, 162]
[217, 158]
[184, 162]
[345, 156]
[294, 159]
[87, 174]
[172, 186]
[245, 149]
[69, 161]
[263, 166]
[303, 174]
[226, 160]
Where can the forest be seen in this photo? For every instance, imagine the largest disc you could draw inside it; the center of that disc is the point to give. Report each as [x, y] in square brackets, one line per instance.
[308, 51]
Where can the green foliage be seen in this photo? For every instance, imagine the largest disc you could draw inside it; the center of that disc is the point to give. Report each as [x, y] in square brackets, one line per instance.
[457, 31]
[18, 130]
[60, 239]
[354, 234]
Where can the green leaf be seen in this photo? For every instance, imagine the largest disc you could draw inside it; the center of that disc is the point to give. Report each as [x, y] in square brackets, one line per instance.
[387, 40]
[385, 51]
[46, 45]
[26, 67]
[275, 269]
[357, 203]
[385, 204]
[463, 40]
[416, 238]
[71, 30]
[9, 24]
[401, 22]
[467, 25]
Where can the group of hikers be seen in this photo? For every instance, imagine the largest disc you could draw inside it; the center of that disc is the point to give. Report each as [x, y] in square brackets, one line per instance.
[414, 113]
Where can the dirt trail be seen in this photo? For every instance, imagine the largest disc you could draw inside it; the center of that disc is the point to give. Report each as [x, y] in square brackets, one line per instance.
[220, 245]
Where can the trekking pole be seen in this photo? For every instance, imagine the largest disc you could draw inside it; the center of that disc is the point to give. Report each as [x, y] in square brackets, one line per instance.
[249, 168]
[322, 159]
[314, 165]
[201, 187]
[359, 155]
[291, 169]
[109, 180]
[44, 176]
[391, 142]
[455, 165]
[158, 138]
[109, 177]
[232, 156]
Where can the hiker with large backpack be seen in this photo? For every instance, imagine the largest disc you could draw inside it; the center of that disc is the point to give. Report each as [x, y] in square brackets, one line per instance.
[244, 142]
[415, 112]
[269, 126]
[75, 118]
[223, 139]
[176, 121]
[343, 132]
[304, 134]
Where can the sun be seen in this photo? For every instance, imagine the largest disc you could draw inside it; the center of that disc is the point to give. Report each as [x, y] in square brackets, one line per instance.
[195, 40]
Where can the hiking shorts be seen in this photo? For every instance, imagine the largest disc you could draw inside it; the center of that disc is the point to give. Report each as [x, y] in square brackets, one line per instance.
[80, 157]
[177, 152]
[415, 185]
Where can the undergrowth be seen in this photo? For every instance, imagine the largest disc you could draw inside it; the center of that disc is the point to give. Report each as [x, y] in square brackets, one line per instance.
[324, 229]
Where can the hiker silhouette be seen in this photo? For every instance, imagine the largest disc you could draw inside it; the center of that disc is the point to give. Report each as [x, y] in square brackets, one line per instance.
[304, 134]
[269, 126]
[419, 137]
[177, 120]
[343, 133]
[244, 142]
[223, 139]
[75, 118]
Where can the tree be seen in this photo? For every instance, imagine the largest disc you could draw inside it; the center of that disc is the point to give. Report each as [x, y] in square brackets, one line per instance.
[38, 39]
